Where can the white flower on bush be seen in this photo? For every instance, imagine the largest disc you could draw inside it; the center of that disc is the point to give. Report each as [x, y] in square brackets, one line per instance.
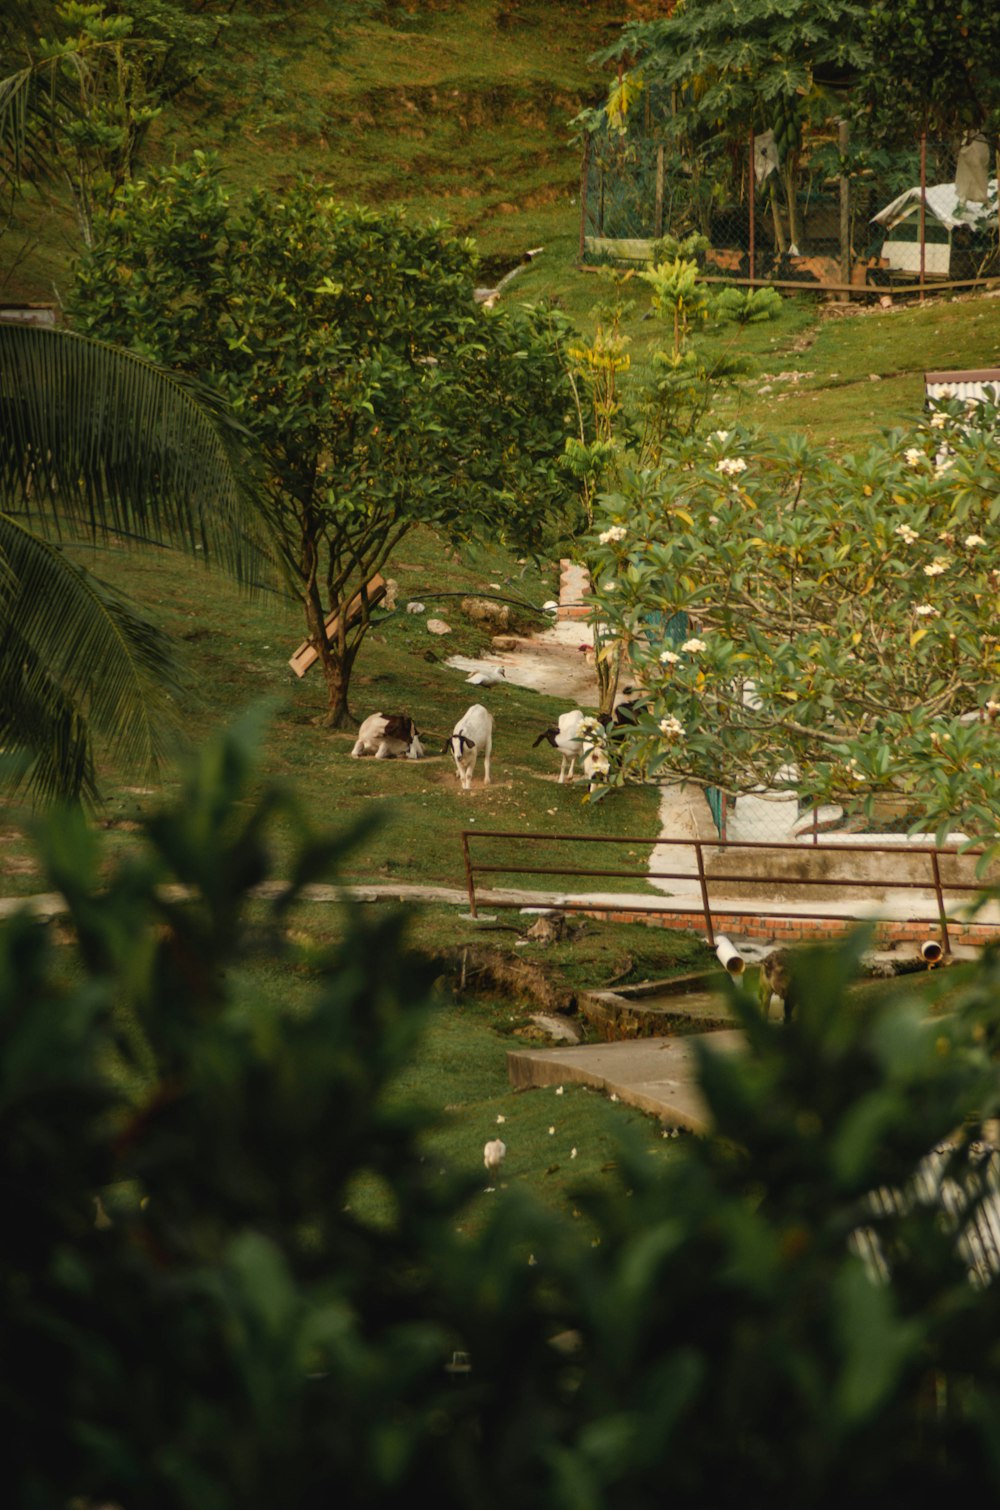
[613, 535]
[927, 611]
[913, 456]
[855, 770]
[907, 534]
[669, 657]
[938, 565]
[973, 540]
[671, 727]
[721, 435]
[731, 466]
[944, 466]
[609, 585]
[938, 421]
[693, 647]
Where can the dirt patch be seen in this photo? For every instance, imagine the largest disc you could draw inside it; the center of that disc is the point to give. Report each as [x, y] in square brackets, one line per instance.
[484, 970]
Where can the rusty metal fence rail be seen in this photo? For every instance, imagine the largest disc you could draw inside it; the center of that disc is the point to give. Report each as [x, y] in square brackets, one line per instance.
[933, 883]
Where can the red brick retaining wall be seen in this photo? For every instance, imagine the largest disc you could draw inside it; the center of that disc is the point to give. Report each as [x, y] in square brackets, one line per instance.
[790, 929]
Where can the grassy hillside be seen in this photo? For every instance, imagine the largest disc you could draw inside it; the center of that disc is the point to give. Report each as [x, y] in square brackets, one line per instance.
[460, 108]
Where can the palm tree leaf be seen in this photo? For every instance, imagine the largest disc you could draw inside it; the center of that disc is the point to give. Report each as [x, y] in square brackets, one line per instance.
[108, 441]
[74, 658]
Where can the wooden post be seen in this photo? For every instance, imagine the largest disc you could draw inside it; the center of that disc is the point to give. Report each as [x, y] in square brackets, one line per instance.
[658, 213]
[753, 205]
[584, 176]
[843, 141]
[923, 209]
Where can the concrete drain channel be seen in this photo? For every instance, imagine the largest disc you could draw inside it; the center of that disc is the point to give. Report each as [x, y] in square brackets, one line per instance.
[658, 1008]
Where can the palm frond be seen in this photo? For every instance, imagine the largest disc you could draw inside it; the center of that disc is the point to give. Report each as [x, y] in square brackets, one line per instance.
[75, 661]
[102, 438]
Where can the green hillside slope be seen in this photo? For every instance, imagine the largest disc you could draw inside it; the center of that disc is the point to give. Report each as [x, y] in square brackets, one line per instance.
[460, 108]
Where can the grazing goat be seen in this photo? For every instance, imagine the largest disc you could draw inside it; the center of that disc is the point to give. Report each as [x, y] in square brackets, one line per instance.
[577, 737]
[472, 733]
[775, 981]
[566, 739]
[386, 736]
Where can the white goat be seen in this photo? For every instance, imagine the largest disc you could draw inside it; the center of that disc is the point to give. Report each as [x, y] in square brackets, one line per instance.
[387, 737]
[472, 733]
[572, 739]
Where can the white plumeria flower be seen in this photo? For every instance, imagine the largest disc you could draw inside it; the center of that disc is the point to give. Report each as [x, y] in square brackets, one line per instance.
[973, 540]
[671, 727]
[944, 466]
[669, 657]
[731, 466]
[722, 435]
[927, 611]
[913, 456]
[906, 533]
[609, 585]
[938, 565]
[615, 533]
[938, 421]
[693, 647]
[500, 1119]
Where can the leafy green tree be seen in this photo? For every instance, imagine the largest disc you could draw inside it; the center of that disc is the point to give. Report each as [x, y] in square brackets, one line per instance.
[229, 1324]
[92, 78]
[727, 67]
[933, 68]
[95, 441]
[348, 343]
[843, 616]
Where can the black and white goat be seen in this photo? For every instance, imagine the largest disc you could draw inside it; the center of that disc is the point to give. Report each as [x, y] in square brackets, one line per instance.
[472, 733]
[388, 736]
[577, 737]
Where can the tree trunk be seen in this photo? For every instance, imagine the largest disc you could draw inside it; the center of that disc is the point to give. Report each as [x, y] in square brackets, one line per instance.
[338, 713]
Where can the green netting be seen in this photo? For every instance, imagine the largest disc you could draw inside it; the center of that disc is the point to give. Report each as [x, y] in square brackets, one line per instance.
[639, 186]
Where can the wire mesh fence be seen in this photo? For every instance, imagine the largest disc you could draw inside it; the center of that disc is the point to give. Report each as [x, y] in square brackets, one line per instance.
[836, 215]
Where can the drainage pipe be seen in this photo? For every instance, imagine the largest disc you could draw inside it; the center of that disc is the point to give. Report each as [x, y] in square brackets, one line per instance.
[729, 956]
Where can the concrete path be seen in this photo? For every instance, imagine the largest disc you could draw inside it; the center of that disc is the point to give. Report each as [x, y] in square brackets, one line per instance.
[657, 1075]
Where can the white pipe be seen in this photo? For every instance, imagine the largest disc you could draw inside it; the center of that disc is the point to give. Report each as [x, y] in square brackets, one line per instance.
[931, 951]
[728, 956]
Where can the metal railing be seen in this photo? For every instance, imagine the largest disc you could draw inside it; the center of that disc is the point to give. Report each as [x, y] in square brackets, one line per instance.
[933, 883]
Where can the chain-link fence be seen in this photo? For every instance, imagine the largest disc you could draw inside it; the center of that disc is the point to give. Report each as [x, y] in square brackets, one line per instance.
[836, 214]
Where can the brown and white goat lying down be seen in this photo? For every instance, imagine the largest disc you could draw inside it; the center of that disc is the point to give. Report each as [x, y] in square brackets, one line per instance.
[388, 736]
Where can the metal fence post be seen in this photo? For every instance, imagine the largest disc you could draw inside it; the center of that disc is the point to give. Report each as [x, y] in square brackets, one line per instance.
[940, 901]
[584, 176]
[469, 879]
[923, 210]
[703, 883]
[843, 141]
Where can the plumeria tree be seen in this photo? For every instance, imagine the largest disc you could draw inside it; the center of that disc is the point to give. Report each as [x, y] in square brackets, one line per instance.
[843, 616]
[623, 431]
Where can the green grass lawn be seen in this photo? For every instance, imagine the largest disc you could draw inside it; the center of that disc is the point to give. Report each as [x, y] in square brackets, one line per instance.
[235, 652]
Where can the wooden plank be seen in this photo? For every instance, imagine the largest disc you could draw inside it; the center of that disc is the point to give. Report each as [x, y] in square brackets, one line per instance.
[307, 654]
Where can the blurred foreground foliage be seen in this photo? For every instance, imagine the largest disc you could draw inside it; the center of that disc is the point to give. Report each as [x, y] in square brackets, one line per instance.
[192, 1315]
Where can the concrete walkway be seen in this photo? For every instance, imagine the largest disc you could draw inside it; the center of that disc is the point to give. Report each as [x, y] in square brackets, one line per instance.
[657, 1075]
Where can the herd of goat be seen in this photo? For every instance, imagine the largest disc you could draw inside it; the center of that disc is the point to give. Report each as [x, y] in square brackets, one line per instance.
[577, 736]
